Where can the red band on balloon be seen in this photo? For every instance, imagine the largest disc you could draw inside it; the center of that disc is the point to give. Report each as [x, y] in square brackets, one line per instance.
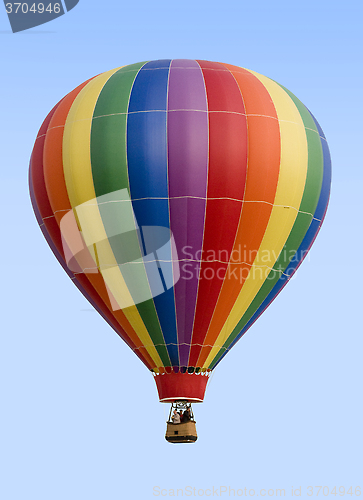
[181, 386]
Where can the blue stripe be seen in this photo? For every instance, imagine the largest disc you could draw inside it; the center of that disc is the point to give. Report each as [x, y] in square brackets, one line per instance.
[305, 244]
[149, 92]
[325, 189]
[147, 167]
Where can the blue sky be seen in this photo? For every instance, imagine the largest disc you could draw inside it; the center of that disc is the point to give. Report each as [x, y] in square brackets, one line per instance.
[80, 417]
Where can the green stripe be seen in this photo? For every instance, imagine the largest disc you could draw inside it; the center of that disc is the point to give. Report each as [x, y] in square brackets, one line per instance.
[315, 171]
[108, 134]
[110, 174]
[309, 201]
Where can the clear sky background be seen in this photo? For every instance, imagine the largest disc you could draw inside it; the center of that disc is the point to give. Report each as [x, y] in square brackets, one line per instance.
[80, 417]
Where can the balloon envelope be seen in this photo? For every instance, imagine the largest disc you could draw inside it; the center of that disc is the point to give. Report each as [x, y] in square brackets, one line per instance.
[180, 196]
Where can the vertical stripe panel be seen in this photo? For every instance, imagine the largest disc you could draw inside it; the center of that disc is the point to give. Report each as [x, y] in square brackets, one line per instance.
[148, 178]
[108, 134]
[188, 164]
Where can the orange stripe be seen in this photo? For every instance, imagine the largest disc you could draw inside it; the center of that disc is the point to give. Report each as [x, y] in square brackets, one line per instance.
[59, 200]
[262, 177]
[53, 164]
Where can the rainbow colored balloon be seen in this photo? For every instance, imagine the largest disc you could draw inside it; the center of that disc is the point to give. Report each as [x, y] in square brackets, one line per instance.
[180, 197]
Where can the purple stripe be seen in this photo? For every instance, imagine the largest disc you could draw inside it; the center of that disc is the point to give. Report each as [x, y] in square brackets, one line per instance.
[187, 170]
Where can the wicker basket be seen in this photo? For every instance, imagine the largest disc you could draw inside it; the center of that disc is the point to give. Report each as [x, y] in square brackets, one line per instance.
[181, 433]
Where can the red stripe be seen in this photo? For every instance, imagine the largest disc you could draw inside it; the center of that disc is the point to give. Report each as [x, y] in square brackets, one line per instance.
[226, 179]
[39, 189]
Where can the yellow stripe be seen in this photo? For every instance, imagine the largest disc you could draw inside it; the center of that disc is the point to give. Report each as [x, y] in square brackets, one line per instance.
[79, 181]
[290, 189]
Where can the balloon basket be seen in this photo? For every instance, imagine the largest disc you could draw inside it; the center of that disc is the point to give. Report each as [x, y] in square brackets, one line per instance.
[183, 431]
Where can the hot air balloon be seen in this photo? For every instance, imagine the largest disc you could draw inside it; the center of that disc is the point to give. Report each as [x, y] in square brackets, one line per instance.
[180, 196]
